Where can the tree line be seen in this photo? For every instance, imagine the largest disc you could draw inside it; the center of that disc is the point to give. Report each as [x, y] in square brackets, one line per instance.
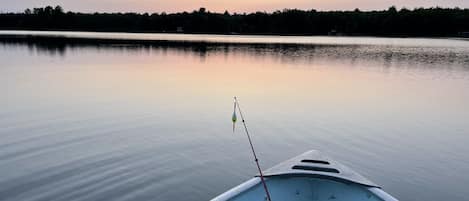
[390, 22]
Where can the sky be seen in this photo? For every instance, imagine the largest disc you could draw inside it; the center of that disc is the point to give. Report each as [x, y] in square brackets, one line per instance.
[238, 6]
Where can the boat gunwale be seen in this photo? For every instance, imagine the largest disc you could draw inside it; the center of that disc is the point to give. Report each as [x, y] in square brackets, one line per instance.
[320, 176]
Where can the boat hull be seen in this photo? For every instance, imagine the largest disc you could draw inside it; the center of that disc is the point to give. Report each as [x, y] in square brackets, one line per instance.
[306, 177]
[303, 189]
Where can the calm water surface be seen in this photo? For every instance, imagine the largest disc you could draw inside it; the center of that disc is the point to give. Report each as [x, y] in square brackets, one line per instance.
[152, 122]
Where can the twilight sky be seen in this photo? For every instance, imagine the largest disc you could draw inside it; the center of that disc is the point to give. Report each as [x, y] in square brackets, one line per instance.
[221, 5]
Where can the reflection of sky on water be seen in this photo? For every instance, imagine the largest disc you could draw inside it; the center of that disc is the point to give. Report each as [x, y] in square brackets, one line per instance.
[87, 121]
[385, 55]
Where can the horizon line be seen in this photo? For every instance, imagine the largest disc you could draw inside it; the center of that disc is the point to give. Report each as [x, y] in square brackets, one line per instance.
[241, 13]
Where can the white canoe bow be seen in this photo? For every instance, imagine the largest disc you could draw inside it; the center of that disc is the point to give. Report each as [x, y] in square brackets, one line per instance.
[310, 176]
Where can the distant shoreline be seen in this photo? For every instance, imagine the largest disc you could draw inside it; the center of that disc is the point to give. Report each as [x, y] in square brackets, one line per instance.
[393, 22]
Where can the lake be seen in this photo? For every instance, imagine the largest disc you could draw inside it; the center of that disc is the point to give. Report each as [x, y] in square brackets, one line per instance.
[137, 121]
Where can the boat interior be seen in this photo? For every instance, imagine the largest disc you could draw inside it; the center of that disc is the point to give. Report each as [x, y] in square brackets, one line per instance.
[293, 188]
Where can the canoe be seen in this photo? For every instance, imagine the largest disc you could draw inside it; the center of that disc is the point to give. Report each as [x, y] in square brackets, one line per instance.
[307, 177]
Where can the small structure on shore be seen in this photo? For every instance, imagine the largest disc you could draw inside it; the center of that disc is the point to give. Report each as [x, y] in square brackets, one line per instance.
[464, 34]
[180, 29]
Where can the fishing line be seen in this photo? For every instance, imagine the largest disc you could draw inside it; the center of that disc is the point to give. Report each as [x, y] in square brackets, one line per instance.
[236, 103]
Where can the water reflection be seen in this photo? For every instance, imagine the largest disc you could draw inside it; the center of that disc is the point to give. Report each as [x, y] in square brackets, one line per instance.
[382, 55]
[129, 120]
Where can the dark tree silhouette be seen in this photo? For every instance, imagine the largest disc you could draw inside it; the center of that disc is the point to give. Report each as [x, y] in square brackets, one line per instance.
[391, 22]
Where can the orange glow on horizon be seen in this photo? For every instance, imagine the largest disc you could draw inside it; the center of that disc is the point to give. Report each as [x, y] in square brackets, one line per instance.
[239, 6]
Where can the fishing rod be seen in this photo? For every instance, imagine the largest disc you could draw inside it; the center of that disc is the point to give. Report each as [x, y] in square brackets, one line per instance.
[236, 104]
